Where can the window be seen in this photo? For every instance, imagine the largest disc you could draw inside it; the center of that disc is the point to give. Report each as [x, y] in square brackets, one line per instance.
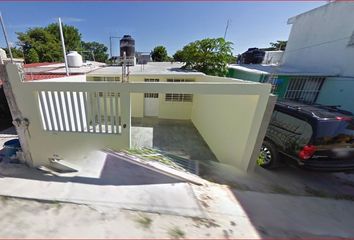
[305, 88]
[111, 79]
[151, 95]
[108, 94]
[106, 78]
[178, 97]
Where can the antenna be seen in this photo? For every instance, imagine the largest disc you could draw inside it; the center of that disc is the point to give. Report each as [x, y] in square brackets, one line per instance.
[227, 27]
[63, 45]
[6, 39]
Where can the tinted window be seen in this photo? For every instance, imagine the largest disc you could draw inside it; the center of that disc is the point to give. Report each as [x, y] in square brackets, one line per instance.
[335, 132]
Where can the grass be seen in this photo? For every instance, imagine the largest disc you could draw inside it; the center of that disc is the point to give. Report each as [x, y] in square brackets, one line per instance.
[153, 155]
[144, 221]
[176, 233]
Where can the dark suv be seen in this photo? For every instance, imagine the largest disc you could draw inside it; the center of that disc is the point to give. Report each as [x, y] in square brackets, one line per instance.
[315, 136]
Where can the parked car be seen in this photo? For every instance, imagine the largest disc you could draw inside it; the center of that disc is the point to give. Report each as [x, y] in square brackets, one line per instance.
[315, 136]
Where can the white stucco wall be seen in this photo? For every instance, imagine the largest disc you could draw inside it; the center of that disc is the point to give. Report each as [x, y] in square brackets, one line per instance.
[319, 39]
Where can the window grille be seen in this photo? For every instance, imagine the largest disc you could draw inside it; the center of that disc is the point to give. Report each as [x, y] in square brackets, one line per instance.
[178, 97]
[304, 88]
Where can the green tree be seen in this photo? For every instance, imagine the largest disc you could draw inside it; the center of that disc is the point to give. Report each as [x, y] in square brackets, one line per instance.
[279, 45]
[45, 41]
[32, 56]
[99, 51]
[210, 56]
[16, 52]
[71, 34]
[45, 44]
[178, 56]
[159, 54]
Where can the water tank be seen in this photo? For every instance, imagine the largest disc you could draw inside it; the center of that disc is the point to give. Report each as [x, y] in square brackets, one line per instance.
[127, 45]
[74, 59]
[2, 54]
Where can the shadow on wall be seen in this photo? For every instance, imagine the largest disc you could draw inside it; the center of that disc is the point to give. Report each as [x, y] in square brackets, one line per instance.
[5, 114]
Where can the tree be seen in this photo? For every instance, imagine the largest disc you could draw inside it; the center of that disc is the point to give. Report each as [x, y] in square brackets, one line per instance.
[210, 56]
[45, 44]
[32, 56]
[178, 56]
[16, 52]
[159, 54]
[99, 50]
[279, 45]
[71, 34]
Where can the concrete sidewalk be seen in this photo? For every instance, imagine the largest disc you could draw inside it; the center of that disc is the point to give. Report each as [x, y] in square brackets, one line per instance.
[176, 199]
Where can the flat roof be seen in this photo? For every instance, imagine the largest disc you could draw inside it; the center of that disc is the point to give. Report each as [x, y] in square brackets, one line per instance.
[276, 69]
[59, 68]
[151, 68]
[102, 69]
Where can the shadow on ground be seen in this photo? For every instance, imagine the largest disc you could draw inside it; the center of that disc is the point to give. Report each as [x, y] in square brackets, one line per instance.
[115, 171]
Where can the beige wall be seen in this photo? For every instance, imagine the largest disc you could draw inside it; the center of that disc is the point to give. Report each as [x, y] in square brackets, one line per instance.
[174, 110]
[225, 122]
[137, 104]
[167, 110]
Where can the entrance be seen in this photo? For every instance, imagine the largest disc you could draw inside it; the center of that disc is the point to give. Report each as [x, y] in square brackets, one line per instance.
[151, 102]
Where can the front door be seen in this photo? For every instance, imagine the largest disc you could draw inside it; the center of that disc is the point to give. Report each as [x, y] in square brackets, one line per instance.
[151, 102]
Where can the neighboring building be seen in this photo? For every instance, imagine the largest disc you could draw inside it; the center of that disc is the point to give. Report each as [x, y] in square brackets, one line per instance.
[143, 57]
[317, 65]
[5, 59]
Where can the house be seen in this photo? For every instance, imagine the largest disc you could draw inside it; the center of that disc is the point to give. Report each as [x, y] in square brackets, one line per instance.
[316, 66]
[94, 108]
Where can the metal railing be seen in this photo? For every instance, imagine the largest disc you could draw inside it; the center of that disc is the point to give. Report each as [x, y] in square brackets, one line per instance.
[74, 111]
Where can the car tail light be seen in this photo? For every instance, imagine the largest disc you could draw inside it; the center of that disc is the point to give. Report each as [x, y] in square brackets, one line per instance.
[343, 118]
[307, 152]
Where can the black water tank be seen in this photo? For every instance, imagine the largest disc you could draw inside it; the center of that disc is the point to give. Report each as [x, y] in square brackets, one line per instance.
[127, 45]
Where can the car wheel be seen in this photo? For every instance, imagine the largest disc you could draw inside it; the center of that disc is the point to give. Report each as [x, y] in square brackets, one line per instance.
[268, 156]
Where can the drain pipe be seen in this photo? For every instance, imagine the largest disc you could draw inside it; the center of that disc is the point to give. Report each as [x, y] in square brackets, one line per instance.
[63, 46]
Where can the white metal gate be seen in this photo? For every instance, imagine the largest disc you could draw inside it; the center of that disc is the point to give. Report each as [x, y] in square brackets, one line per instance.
[151, 101]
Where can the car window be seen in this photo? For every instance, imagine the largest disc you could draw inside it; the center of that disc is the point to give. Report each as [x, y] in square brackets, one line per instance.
[335, 132]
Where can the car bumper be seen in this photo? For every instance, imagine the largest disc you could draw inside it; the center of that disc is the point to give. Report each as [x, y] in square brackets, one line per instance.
[327, 165]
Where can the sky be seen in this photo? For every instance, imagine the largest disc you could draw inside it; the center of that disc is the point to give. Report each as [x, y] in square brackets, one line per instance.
[171, 24]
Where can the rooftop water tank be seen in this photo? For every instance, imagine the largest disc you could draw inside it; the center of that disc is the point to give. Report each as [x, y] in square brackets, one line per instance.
[2, 54]
[74, 59]
[127, 45]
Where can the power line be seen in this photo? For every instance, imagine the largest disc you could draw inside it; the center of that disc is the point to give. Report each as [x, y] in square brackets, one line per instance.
[227, 27]
[319, 44]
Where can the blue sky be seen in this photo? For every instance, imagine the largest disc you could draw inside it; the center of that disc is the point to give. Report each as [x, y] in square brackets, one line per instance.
[172, 24]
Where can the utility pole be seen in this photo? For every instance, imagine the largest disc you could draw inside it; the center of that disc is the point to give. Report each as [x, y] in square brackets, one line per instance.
[6, 38]
[63, 45]
[21, 123]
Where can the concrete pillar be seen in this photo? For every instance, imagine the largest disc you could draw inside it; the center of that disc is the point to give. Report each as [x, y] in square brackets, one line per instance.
[126, 117]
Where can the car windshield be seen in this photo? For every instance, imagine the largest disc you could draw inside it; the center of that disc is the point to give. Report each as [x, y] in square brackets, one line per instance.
[335, 132]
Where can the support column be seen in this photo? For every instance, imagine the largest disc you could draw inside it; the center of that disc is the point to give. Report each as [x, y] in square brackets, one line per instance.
[126, 117]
